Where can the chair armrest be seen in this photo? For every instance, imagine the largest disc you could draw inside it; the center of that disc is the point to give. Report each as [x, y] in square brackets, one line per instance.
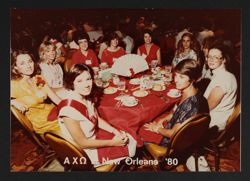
[156, 151]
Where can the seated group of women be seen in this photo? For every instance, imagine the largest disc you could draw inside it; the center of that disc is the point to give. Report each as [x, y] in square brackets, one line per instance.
[30, 89]
[148, 50]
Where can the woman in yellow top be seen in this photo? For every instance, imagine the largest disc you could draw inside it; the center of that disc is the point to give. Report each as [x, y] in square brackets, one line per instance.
[29, 91]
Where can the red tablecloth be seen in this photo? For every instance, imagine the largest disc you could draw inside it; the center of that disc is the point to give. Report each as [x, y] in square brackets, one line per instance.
[131, 119]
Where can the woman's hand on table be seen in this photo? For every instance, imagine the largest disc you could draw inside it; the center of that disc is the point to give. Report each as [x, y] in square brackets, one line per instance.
[153, 127]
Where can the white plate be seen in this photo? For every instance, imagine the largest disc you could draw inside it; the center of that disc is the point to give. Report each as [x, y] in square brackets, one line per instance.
[162, 88]
[130, 103]
[140, 93]
[110, 90]
[135, 81]
[173, 94]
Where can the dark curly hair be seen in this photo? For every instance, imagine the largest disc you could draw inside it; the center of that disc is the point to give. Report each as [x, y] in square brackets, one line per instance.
[147, 31]
[113, 36]
[226, 54]
[80, 35]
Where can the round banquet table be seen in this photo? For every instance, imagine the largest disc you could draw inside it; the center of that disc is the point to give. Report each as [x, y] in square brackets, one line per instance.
[131, 119]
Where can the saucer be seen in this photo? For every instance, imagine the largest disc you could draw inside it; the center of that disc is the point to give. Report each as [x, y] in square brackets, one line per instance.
[162, 88]
[174, 93]
[110, 90]
[130, 103]
[140, 93]
[134, 81]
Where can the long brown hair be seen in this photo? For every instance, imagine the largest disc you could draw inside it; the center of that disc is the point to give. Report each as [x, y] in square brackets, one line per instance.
[14, 73]
[194, 44]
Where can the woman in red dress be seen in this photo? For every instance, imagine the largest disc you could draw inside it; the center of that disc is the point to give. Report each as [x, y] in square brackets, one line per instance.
[84, 54]
[113, 50]
[149, 50]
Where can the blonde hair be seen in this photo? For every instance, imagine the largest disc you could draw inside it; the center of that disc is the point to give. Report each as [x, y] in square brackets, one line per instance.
[45, 46]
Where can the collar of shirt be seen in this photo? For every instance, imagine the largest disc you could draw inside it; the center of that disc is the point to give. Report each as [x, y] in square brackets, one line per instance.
[219, 69]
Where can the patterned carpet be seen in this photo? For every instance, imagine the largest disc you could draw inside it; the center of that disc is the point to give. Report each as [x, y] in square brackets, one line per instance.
[27, 157]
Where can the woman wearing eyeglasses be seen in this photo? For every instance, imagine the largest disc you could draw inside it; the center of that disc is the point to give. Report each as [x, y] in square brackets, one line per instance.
[221, 91]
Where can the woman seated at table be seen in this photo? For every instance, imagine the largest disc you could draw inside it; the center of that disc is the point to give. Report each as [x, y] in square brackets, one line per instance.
[221, 92]
[29, 91]
[191, 103]
[113, 51]
[50, 69]
[187, 48]
[80, 121]
[149, 50]
[84, 54]
[206, 45]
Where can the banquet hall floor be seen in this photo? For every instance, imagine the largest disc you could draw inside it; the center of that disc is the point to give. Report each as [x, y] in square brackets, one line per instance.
[25, 156]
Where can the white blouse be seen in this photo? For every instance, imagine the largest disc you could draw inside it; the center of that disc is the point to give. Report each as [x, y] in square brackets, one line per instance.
[53, 74]
[85, 124]
[87, 128]
[227, 81]
[178, 59]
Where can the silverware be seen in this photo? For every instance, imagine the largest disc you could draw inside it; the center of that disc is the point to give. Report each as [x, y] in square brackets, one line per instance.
[135, 88]
[118, 104]
[141, 105]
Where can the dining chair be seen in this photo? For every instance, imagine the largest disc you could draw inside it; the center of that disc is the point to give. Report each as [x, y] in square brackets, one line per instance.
[184, 141]
[67, 64]
[27, 125]
[71, 157]
[224, 137]
[38, 138]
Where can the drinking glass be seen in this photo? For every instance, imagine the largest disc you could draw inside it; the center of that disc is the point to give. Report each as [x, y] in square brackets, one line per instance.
[116, 79]
[168, 69]
[154, 63]
[103, 66]
[121, 85]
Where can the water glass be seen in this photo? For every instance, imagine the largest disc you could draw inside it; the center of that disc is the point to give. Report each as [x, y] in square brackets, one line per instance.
[168, 69]
[121, 85]
[103, 65]
[96, 70]
[154, 63]
[116, 79]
